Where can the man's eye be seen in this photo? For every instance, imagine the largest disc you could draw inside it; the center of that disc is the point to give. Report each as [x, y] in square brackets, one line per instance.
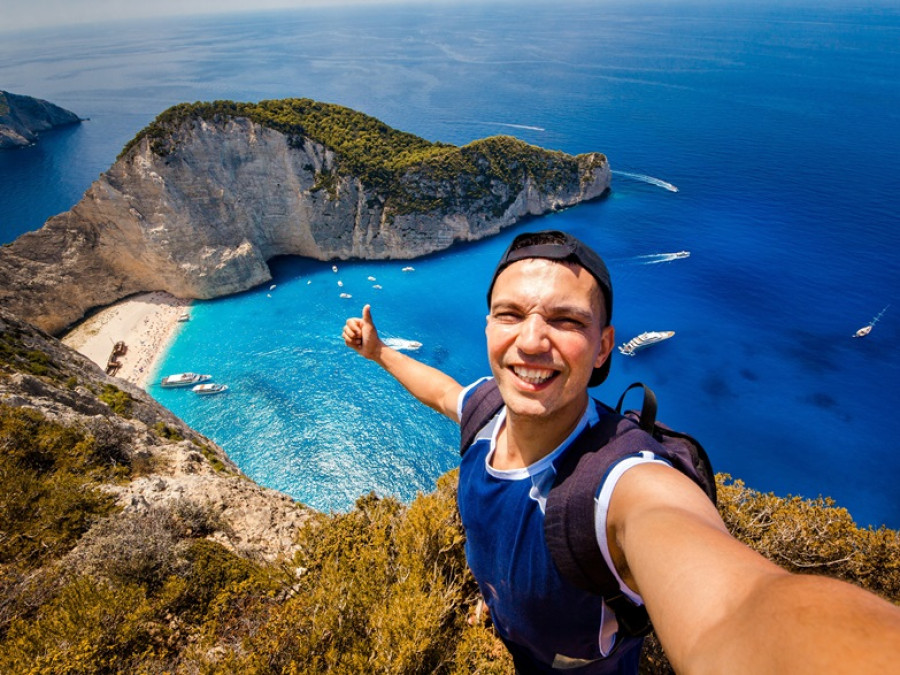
[567, 323]
[506, 317]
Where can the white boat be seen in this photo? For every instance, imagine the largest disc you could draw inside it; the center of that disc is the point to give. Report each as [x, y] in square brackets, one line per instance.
[682, 254]
[184, 379]
[346, 295]
[408, 269]
[209, 388]
[401, 344]
[184, 316]
[644, 340]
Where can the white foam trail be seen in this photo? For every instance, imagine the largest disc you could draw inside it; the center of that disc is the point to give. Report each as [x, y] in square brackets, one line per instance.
[654, 258]
[875, 320]
[516, 126]
[648, 179]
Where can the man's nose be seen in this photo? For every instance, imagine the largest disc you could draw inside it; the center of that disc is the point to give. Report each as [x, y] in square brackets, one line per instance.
[533, 334]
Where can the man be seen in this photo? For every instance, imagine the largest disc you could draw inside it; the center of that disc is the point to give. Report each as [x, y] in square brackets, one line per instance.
[716, 605]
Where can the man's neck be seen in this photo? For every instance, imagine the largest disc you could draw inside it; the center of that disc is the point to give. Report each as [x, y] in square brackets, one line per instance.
[526, 439]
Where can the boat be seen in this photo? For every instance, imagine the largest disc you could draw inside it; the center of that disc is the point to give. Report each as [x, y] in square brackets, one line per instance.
[184, 379]
[865, 330]
[644, 340]
[682, 254]
[184, 316]
[409, 268]
[346, 295]
[401, 344]
[209, 388]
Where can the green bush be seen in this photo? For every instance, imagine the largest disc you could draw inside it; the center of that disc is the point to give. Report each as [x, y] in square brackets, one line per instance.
[120, 401]
[48, 491]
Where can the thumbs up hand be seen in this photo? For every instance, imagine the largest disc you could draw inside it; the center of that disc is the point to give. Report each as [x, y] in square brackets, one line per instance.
[361, 335]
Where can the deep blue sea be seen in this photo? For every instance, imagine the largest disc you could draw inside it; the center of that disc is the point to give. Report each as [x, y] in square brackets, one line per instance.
[778, 123]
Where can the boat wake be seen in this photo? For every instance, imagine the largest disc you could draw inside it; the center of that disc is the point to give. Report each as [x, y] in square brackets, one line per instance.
[647, 179]
[527, 127]
[865, 330]
[656, 258]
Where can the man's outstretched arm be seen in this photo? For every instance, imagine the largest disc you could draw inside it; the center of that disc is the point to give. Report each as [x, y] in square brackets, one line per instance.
[718, 606]
[431, 386]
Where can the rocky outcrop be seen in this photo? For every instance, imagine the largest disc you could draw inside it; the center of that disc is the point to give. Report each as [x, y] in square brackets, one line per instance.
[22, 118]
[197, 207]
[179, 465]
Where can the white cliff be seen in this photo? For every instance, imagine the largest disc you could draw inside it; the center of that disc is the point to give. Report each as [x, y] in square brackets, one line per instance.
[197, 207]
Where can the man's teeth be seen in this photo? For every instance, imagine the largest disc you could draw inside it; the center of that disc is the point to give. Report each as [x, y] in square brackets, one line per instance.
[533, 375]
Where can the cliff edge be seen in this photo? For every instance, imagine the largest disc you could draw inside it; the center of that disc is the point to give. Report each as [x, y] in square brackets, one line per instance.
[152, 460]
[22, 118]
[205, 195]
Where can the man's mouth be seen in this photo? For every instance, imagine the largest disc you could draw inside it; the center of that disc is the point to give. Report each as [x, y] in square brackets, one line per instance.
[534, 376]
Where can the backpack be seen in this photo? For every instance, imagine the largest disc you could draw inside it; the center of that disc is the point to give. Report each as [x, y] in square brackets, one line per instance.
[569, 513]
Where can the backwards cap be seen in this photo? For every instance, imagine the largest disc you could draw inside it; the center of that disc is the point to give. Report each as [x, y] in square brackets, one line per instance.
[563, 247]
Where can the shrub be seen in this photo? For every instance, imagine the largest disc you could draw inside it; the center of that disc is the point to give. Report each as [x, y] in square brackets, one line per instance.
[120, 401]
[90, 627]
[48, 495]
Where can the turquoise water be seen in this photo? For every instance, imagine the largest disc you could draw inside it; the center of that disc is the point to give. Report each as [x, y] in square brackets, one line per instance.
[777, 123]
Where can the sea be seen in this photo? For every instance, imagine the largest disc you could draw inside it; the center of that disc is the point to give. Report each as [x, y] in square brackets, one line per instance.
[759, 137]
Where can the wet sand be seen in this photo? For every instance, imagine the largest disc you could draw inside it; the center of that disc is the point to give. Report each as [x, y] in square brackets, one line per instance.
[146, 323]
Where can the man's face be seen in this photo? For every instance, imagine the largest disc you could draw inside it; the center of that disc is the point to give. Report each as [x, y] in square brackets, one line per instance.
[545, 336]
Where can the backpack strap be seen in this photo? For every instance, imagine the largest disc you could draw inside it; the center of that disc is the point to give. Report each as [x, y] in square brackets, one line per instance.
[569, 516]
[480, 406]
[648, 407]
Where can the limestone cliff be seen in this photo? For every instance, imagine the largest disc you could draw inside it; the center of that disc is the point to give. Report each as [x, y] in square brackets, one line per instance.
[23, 117]
[203, 197]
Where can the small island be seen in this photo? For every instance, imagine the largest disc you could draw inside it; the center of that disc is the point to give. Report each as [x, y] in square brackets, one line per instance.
[22, 118]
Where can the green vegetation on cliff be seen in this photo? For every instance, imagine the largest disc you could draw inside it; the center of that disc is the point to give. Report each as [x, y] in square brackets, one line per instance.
[400, 166]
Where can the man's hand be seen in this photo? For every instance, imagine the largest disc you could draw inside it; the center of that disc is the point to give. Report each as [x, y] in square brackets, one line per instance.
[360, 335]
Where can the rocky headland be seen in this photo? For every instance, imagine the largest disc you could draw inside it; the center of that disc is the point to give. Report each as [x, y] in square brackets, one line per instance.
[22, 118]
[202, 198]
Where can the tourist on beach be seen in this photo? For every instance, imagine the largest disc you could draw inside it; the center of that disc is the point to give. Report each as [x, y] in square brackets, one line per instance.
[716, 605]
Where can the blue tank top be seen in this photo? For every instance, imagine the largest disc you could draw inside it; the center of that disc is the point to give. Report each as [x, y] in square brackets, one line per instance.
[545, 621]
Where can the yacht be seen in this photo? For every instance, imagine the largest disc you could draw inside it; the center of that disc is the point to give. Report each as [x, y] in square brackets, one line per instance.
[184, 379]
[644, 340]
[209, 388]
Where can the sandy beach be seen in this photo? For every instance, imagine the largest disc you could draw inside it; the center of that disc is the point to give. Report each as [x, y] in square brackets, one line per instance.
[145, 323]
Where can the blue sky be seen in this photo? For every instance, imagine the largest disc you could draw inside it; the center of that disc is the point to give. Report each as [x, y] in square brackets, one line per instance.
[17, 15]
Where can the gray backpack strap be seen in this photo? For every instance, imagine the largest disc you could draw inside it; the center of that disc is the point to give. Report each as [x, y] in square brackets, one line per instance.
[479, 408]
[569, 515]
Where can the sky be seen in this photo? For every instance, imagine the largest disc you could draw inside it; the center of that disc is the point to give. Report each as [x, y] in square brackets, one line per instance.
[19, 15]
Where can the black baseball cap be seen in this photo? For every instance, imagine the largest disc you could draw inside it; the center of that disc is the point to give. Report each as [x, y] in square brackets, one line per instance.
[561, 246]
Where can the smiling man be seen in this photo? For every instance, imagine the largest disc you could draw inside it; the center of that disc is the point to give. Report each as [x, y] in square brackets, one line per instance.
[716, 605]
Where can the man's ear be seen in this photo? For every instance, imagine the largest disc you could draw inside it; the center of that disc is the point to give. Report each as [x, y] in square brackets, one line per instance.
[607, 342]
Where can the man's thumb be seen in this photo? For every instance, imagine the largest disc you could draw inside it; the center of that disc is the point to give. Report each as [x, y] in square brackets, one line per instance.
[367, 314]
